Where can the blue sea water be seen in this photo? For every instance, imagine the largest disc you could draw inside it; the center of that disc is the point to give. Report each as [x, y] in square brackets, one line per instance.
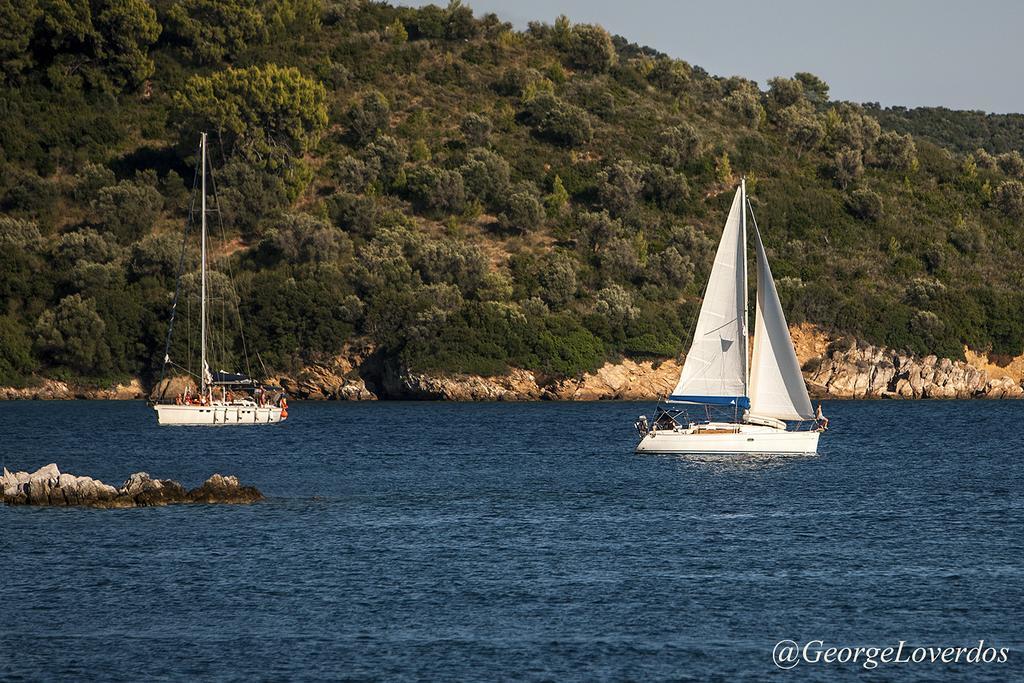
[443, 541]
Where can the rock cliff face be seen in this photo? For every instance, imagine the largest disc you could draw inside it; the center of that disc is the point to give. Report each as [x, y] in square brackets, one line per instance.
[849, 370]
[627, 380]
[833, 368]
[340, 379]
[49, 486]
[53, 390]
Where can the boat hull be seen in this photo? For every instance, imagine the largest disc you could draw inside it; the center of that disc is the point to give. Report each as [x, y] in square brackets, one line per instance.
[227, 414]
[747, 440]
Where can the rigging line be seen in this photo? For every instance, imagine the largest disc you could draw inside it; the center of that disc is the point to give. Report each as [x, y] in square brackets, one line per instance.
[753, 217]
[187, 371]
[177, 280]
[725, 324]
[227, 261]
[260, 359]
[188, 326]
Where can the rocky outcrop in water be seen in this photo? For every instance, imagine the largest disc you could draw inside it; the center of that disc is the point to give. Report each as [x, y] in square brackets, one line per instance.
[50, 487]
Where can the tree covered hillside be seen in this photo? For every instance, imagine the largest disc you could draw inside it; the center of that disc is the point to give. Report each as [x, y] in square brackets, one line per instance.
[464, 196]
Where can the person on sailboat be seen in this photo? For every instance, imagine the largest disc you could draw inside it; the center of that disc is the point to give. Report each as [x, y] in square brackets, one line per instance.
[820, 417]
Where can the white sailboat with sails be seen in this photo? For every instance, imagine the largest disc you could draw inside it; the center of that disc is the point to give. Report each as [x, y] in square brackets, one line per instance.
[216, 398]
[726, 401]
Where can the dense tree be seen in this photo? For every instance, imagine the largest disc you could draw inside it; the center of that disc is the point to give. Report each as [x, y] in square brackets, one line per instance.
[523, 212]
[671, 75]
[678, 145]
[557, 279]
[17, 21]
[666, 188]
[476, 129]
[486, 176]
[368, 116]
[215, 30]
[847, 167]
[128, 209]
[804, 130]
[385, 157]
[846, 125]
[452, 262]
[19, 233]
[619, 187]
[156, 256]
[558, 200]
[615, 305]
[590, 47]
[301, 238]
[895, 151]
[16, 361]
[596, 229]
[558, 121]
[436, 190]
[1012, 164]
[865, 204]
[745, 106]
[1009, 197]
[101, 43]
[784, 92]
[670, 268]
[985, 160]
[814, 89]
[249, 197]
[619, 260]
[269, 115]
[73, 335]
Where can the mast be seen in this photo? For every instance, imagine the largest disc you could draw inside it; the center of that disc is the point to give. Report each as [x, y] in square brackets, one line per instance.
[202, 271]
[746, 293]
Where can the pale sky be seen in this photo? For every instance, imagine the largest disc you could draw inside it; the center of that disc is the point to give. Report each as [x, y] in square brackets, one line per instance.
[962, 55]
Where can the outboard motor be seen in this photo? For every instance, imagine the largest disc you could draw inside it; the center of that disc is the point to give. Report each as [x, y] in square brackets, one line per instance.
[641, 426]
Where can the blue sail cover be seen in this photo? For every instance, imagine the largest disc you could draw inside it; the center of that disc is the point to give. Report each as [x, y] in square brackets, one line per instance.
[740, 401]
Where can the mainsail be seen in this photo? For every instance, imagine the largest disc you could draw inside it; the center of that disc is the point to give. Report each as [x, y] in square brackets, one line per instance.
[715, 370]
[776, 386]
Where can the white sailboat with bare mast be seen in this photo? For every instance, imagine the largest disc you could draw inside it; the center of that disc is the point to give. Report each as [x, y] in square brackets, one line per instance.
[722, 403]
[222, 398]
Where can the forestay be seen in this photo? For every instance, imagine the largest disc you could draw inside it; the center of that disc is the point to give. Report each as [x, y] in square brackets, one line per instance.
[776, 385]
[716, 366]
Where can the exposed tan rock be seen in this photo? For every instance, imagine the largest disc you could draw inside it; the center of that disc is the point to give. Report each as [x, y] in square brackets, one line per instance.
[170, 387]
[517, 385]
[46, 390]
[1003, 387]
[338, 379]
[627, 380]
[833, 368]
[52, 390]
[849, 370]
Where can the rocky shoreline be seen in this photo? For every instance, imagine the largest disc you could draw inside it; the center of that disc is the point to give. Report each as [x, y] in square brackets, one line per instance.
[48, 486]
[834, 368]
